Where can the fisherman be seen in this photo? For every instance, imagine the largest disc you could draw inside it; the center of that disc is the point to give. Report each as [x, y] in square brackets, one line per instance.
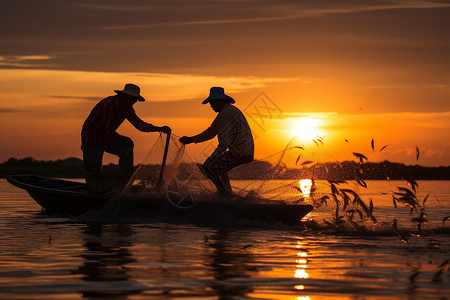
[233, 133]
[99, 131]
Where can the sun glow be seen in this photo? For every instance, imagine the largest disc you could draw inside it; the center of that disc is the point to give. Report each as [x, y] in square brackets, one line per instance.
[301, 273]
[306, 129]
[305, 186]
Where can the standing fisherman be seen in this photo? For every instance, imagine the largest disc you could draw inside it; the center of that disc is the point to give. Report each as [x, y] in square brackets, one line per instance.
[236, 145]
[99, 131]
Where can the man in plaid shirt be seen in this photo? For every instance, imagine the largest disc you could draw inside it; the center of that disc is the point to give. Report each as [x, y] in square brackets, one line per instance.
[99, 131]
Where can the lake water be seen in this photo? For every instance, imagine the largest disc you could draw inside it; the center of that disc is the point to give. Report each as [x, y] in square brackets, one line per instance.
[59, 257]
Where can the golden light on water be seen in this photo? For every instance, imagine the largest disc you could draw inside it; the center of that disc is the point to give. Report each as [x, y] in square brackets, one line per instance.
[300, 273]
[306, 129]
[301, 264]
[305, 186]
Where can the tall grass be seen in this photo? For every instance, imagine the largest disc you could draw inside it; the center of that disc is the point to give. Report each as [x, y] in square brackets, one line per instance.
[352, 212]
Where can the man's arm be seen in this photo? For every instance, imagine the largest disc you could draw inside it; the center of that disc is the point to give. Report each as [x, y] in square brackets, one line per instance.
[139, 124]
[206, 135]
[209, 133]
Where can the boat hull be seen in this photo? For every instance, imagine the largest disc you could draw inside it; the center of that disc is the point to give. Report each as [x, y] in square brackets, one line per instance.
[69, 197]
[63, 196]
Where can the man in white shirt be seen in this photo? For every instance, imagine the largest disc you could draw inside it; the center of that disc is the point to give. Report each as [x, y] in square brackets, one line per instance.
[236, 145]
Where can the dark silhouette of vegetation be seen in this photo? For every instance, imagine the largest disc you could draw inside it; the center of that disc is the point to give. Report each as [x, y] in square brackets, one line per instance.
[377, 171]
[347, 170]
[63, 168]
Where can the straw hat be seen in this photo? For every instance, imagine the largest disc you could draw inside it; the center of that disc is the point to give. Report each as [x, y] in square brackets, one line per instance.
[218, 93]
[132, 90]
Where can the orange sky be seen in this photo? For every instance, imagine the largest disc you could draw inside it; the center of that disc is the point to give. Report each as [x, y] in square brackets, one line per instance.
[375, 69]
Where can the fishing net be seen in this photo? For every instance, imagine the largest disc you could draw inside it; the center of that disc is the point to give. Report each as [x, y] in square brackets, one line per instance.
[179, 181]
[176, 177]
[276, 177]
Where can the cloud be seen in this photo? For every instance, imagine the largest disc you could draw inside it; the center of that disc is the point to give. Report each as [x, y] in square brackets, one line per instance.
[88, 98]
[391, 48]
[221, 37]
[75, 93]
[11, 110]
[24, 58]
[406, 86]
[19, 61]
[432, 152]
[319, 115]
[367, 6]
[267, 11]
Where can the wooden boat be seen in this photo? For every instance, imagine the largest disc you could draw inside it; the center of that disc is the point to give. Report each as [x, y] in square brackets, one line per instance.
[70, 197]
[57, 195]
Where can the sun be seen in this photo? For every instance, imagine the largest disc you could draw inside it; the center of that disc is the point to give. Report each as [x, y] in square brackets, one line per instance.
[306, 129]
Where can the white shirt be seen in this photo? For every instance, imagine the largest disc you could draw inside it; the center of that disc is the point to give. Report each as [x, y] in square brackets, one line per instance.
[232, 130]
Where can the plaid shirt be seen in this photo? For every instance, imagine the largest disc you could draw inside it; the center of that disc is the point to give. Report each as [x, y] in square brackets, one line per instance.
[99, 129]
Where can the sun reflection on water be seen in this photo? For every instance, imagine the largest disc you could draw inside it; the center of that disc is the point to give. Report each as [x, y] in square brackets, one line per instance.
[301, 264]
[300, 273]
[305, 186]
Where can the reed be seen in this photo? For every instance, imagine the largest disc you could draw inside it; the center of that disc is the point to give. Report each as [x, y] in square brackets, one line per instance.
[352, 212]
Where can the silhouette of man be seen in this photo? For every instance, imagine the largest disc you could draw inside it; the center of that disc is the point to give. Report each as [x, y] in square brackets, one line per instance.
[99, 131]
[233, 133]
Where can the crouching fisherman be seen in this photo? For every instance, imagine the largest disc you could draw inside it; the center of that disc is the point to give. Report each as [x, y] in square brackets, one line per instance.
[236, 145]
[99, 131]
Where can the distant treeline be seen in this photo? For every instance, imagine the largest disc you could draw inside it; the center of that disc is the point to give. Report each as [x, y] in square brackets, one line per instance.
[347, 170]
[63, 168]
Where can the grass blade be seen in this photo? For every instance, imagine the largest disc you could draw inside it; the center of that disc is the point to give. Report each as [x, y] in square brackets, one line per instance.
[361, 157]
[413, 276]
[444, 263]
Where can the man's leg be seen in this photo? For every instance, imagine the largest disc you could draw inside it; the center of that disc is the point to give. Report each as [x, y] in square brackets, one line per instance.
[230, 161]
[217, 170]
[92, 158]
[124, 150]
[209, 168]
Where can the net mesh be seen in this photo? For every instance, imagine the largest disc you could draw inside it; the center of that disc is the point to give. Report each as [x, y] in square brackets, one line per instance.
[183, 184]
[275, 177]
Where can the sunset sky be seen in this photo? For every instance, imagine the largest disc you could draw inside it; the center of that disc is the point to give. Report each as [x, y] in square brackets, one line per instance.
[347, 71]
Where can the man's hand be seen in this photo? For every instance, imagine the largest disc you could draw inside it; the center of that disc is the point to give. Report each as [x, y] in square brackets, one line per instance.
[165, 129]
[186, 140]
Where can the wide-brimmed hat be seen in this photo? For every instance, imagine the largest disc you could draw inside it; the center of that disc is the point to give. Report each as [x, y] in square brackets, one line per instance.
[132, 90]
[218, 93]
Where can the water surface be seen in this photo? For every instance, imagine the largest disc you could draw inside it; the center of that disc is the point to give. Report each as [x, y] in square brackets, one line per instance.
[63, 257]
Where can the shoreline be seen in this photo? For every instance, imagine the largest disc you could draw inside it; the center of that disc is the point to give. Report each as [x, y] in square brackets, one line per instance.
[258, 170]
